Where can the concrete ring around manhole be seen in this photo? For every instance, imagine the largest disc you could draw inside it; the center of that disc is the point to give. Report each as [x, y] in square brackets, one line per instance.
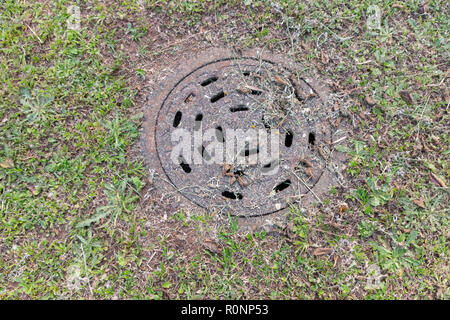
[243, 134]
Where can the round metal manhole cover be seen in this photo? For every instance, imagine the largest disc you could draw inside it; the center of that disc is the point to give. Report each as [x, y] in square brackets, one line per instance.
[269, 122]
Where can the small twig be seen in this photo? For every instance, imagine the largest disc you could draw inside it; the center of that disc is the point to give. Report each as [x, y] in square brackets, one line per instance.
[324, 231]
[34, 33]
[308, 187]
[282, 121]
[149, 260]
[421, 115]
[364, 62]
[338, 140]
[442, 81]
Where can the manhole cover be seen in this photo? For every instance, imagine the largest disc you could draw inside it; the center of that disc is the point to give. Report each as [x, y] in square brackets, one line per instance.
[252, 107]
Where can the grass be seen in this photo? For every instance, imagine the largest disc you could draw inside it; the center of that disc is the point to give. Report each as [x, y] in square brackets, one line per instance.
[74, 191]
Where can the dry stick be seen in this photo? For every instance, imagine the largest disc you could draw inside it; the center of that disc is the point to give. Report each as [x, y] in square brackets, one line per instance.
[338, 140]
[282, 121]
[35, 34]
[307, 187]
[365, 62]
[421, 115]
[150, 259]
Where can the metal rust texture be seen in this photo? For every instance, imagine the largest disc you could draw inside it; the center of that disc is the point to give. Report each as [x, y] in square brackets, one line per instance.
[223, 90]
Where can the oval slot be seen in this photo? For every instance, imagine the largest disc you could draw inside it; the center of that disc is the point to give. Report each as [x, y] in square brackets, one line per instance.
[208, 81]
[240, 107]
[184, 165]
[217, 97]
[256, 92]
[247, 151]
[288, 138]
[189, 98]
[283, 185]
[232, 195]
[204, 153]
[311, 138]
[177, 119]
[270, 166]
[198, 121]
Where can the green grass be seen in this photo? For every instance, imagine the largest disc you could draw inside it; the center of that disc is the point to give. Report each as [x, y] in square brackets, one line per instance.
[72, 188]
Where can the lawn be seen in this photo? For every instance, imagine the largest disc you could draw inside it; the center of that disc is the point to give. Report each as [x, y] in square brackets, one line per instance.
[81, 218]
